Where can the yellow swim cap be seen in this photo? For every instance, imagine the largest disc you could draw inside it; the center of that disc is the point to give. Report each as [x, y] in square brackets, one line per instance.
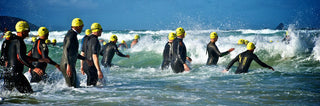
[43, 31]
[246, 42]
[136, 36]
[240, 41]
[104, 43]
[77, 22]
[22, 26]
[172, 36]
[213, 35]
[47, 41]
[7, 35]
[54, 41]
[180, 31]
[122, 41]
[287, 33]
[33, 39]
[270, 41]
[88, 32]
[95, 27]
[251, 46]
[113, 38]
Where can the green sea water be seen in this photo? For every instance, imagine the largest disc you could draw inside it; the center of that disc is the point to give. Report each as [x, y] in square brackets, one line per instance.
[139, 80]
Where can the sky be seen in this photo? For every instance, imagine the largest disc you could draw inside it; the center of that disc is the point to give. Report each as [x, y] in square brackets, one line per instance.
[166, 14]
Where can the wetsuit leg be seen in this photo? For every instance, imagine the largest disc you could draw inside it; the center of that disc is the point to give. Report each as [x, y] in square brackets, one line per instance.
[22, 85]
[177, 67]
[70, 81]
[92, 75]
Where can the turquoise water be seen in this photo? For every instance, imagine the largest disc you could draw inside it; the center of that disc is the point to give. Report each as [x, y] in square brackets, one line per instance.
[139, 80]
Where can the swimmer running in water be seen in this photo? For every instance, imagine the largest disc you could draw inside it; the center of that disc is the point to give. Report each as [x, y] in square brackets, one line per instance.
[135, 41]
[213, 51]
[245, 59]
[179, 55]
[109, 51]
[40, 50]
[93, 71]
[167, 52]
[4, 48]
[17, 59]
[70, 53]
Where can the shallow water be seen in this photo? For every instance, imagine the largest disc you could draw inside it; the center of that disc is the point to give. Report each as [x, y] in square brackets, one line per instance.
[139, 80]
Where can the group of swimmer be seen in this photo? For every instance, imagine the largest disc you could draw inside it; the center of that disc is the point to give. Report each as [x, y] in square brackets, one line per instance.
[14, 55]
[175, 54]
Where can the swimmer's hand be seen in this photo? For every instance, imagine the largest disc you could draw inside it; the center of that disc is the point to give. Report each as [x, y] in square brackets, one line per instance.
[186, 67]
[271, 68]
[225, 71]
[38, 71]
[128, 56]
[82, 72]
[44, 60]
[58, 67]
[29, 70]
[100, 75]
[230, 50]
[189, 59]
[69, 73]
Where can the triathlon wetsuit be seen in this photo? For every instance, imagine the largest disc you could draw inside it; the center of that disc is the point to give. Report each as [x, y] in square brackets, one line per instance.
[40, 50]
[93, 47]
[4, 52]
[69, 56]
[245, 59]
[214, 54]
[167, 56]
[108, 53]
[17, 59]
[178, 56]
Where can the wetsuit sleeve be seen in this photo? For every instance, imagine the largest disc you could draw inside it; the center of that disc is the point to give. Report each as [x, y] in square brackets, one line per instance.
[102, 50]
[23, 58]
[82, 49]
[179, 52]
[81, 57]
[232, 62]
[45, 54]
[216, 50]
[118, 52]
[255, 58]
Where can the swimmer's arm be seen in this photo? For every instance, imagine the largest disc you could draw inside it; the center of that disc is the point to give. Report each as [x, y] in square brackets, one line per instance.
[23, 58]
[178, 53]
[95, 58]
[81, 57]
[119, 53]
[215, 49]
[232, 62]
[255, 58]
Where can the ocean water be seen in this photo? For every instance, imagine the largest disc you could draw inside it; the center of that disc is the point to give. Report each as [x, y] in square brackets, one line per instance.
[139, 80]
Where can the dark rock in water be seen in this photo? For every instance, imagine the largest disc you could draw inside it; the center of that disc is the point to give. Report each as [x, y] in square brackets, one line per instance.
[280, 27]
[10, 23]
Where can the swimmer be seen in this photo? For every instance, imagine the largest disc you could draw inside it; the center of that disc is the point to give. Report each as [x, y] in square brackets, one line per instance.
[245, 59]
[286, 38]
[54, 42]
[179, 54]
[109, 51]
[135, 41]
[213, 51]
[167, 52]
[17, 59]
[40, 50]
[91, 52]
[4, 48]
[123, 44]
[70, 53]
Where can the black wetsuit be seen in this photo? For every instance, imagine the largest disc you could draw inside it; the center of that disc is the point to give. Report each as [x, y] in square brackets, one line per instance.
[245, 59]
[4, 52]
[178, 56]
[214, 54]
[69, 56]
[93, 47]
[40, 50]
[167, 56]
[84, 45]
[108, 53]
[17, 59]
